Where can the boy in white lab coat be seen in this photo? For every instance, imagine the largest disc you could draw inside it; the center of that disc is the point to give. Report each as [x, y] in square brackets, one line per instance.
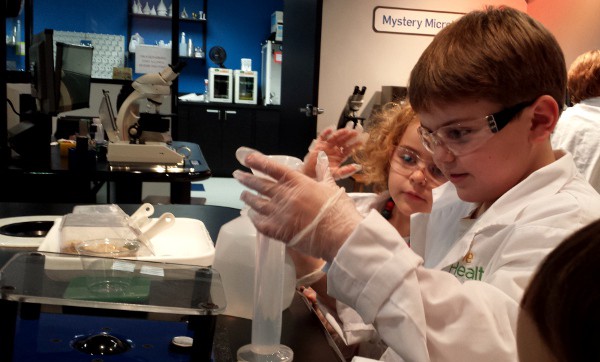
[578, 128]
[488, 91]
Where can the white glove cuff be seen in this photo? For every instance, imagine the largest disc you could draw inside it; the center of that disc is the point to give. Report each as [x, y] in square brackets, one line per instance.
[310, 278]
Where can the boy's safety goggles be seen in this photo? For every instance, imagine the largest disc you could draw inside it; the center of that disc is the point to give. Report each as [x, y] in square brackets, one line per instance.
[466, 136]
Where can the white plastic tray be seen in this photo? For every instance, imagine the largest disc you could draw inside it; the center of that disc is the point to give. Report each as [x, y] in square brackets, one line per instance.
[186, 242]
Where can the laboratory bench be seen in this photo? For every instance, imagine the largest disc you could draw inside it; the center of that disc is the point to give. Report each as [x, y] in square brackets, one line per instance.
[47, 328]
[56, 178]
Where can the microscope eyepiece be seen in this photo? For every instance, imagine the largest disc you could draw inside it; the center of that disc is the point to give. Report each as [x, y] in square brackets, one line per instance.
[178, 67]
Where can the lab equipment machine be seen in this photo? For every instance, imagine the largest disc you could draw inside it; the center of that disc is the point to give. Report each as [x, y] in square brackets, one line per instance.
[272, 53]
[277, 25]
[220, 84]
[245, 86]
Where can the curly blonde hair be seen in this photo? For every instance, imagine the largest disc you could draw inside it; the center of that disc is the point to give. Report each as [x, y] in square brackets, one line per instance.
[387, 128]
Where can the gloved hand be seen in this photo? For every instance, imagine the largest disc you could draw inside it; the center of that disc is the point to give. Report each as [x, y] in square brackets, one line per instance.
[338, 145]
[315, 217]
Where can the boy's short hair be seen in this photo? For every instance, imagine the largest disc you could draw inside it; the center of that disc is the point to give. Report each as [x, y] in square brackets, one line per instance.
[497, 54]
[584, 77]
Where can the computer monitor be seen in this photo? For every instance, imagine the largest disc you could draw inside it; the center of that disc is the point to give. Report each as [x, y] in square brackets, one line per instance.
[56, 89]
[41, 68]
[61, 84]
[73, 76]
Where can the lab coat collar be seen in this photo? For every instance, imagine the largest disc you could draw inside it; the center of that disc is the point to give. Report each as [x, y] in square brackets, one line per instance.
[595, 102]
[444, 239]
[547, 180]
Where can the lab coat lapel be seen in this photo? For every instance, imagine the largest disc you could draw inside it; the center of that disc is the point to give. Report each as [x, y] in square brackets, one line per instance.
[435, 236]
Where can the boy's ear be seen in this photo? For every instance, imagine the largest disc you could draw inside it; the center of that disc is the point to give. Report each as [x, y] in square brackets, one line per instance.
[544, 118]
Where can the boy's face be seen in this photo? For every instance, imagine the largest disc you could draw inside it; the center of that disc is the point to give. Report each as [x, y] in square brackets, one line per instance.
[490, 163]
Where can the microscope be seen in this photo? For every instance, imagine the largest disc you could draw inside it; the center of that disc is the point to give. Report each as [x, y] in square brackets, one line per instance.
[143, 137]
[138, 127]
[355, 101]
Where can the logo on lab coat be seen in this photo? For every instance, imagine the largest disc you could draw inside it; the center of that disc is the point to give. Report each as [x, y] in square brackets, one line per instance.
[465, 272]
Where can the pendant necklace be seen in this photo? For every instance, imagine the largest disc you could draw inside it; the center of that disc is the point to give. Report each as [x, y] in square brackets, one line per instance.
[388, 208]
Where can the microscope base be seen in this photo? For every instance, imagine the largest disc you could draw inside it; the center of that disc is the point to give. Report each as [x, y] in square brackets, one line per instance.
[150, 152]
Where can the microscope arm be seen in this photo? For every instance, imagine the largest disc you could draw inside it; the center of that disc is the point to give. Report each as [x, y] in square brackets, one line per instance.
[128, 115]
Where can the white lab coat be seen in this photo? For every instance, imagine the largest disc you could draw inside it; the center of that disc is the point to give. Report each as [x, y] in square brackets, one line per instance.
[578, 131]
[428, 303]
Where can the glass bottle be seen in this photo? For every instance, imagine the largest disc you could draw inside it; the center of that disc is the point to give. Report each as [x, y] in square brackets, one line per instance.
[19, 40]
[182, 46]
[206, 90]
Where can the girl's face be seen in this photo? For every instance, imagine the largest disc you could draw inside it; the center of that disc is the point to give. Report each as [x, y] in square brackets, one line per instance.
[411, 174]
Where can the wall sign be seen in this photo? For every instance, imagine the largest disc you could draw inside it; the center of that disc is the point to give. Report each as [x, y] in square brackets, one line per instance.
[411, 21]
[151, 59]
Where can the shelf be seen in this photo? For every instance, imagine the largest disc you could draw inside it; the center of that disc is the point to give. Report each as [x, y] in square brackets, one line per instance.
[153, 17]
[186, 57]
[155, 28]
[188, 20]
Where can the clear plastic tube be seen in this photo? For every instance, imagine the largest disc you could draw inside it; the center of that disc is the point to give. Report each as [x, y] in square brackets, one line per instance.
[268, 305]
[268, 297]
[268, 281]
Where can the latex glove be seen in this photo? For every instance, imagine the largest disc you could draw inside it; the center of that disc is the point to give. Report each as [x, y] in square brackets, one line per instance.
[338, 145]
[315, 217]
[308, 268]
